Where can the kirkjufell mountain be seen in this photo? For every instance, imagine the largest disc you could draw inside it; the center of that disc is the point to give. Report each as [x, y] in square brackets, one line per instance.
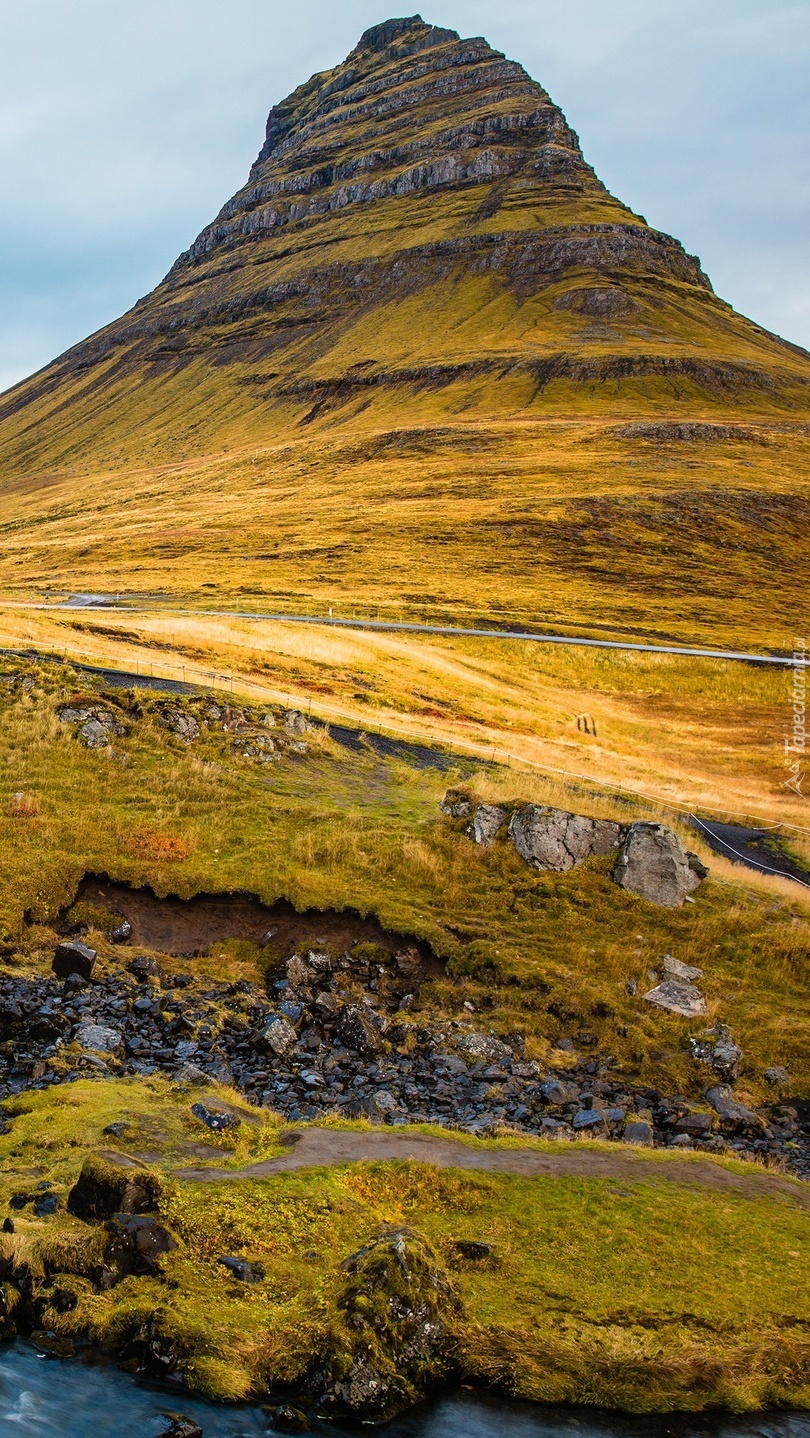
[423, 352]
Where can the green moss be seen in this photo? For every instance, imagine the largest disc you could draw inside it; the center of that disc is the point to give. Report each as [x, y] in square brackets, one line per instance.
[637, 1293]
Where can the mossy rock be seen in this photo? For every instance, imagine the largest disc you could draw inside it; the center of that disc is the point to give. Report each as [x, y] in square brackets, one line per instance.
[393, 1339]
[105, 1188]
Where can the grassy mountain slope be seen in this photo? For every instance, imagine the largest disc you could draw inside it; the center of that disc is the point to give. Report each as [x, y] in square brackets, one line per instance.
[423, 351]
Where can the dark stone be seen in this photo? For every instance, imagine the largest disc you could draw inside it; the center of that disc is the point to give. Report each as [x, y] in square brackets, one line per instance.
[215, 1119]
[145, 968]
[694, 1124]
[180, 1427]
[63, 1300]
[46, 1204]
[117, 1130]
[395, 1341]
[289, 1420]
[8, 1225]
[243, 1270]
[472, 1249]
[357, 1032]
[53, 1345]
[135, 1245]
[73, 957]
[639, 1132]
[589, 1118]
[104, 1189]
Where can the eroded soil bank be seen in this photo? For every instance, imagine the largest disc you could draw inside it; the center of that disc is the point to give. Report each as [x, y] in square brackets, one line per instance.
[185, 928]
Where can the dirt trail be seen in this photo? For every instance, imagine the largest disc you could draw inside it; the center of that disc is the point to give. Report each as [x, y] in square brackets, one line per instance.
[319, 1147]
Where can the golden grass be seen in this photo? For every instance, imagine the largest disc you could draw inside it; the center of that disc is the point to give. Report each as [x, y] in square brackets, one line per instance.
[696, 734]
[544, 955]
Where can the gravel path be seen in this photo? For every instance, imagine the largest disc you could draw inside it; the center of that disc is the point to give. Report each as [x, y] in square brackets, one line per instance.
[326, 1147]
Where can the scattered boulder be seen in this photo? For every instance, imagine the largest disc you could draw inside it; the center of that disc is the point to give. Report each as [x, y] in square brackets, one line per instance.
[484, 1046]
[590, 1119]
[218, 1119]
[70, 715]
[358, 1032]
[550, 838]
[674, 969]
[94, 734]
[487, 824]
[639, 1133]
[279, 1035]
[299, 973]
[693, 1124]
[72, 957]
[777, 1077]
[379, 1105]
[678, 998]
[190, 1076]
[99, 1039]
[233, 720]
[557, 1093]
[121, 932]
[243, 1270]
[295, 722]
[717, 1049]
[52, 1345]
[395, 1340]
[136, 1243]
[456, 804]
[185, 726]
[289, 1420]
[472, 1249]
[180, 1427]
[144, 967]
[105, 1188]
[653, 863]
[46, 1204]
[117, 1130]
[733, 1115]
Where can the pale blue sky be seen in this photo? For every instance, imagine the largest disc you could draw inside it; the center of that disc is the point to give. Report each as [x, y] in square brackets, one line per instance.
[125, 124]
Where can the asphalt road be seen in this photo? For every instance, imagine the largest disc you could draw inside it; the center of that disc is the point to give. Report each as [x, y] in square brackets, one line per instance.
[99, 601]
[96, 602]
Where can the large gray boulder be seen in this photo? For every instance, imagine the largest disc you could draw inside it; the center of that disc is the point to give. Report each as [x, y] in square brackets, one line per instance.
[487, 824]
[654, 864]
[550, 838]
[97, 1038]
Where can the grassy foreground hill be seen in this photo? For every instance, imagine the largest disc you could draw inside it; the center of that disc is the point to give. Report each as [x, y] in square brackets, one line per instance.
[580, 1271]
[424, 361]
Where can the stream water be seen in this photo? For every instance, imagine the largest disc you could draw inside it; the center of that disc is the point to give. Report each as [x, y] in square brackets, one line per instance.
[47, 1398]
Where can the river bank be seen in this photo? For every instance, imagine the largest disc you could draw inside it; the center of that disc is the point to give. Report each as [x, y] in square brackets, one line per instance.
[51, 1399]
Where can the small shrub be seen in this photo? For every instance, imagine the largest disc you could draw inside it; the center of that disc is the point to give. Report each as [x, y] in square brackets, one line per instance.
[148, 843]
[23, 806]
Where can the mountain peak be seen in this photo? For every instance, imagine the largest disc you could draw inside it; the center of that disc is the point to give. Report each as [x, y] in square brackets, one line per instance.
[379, 37]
